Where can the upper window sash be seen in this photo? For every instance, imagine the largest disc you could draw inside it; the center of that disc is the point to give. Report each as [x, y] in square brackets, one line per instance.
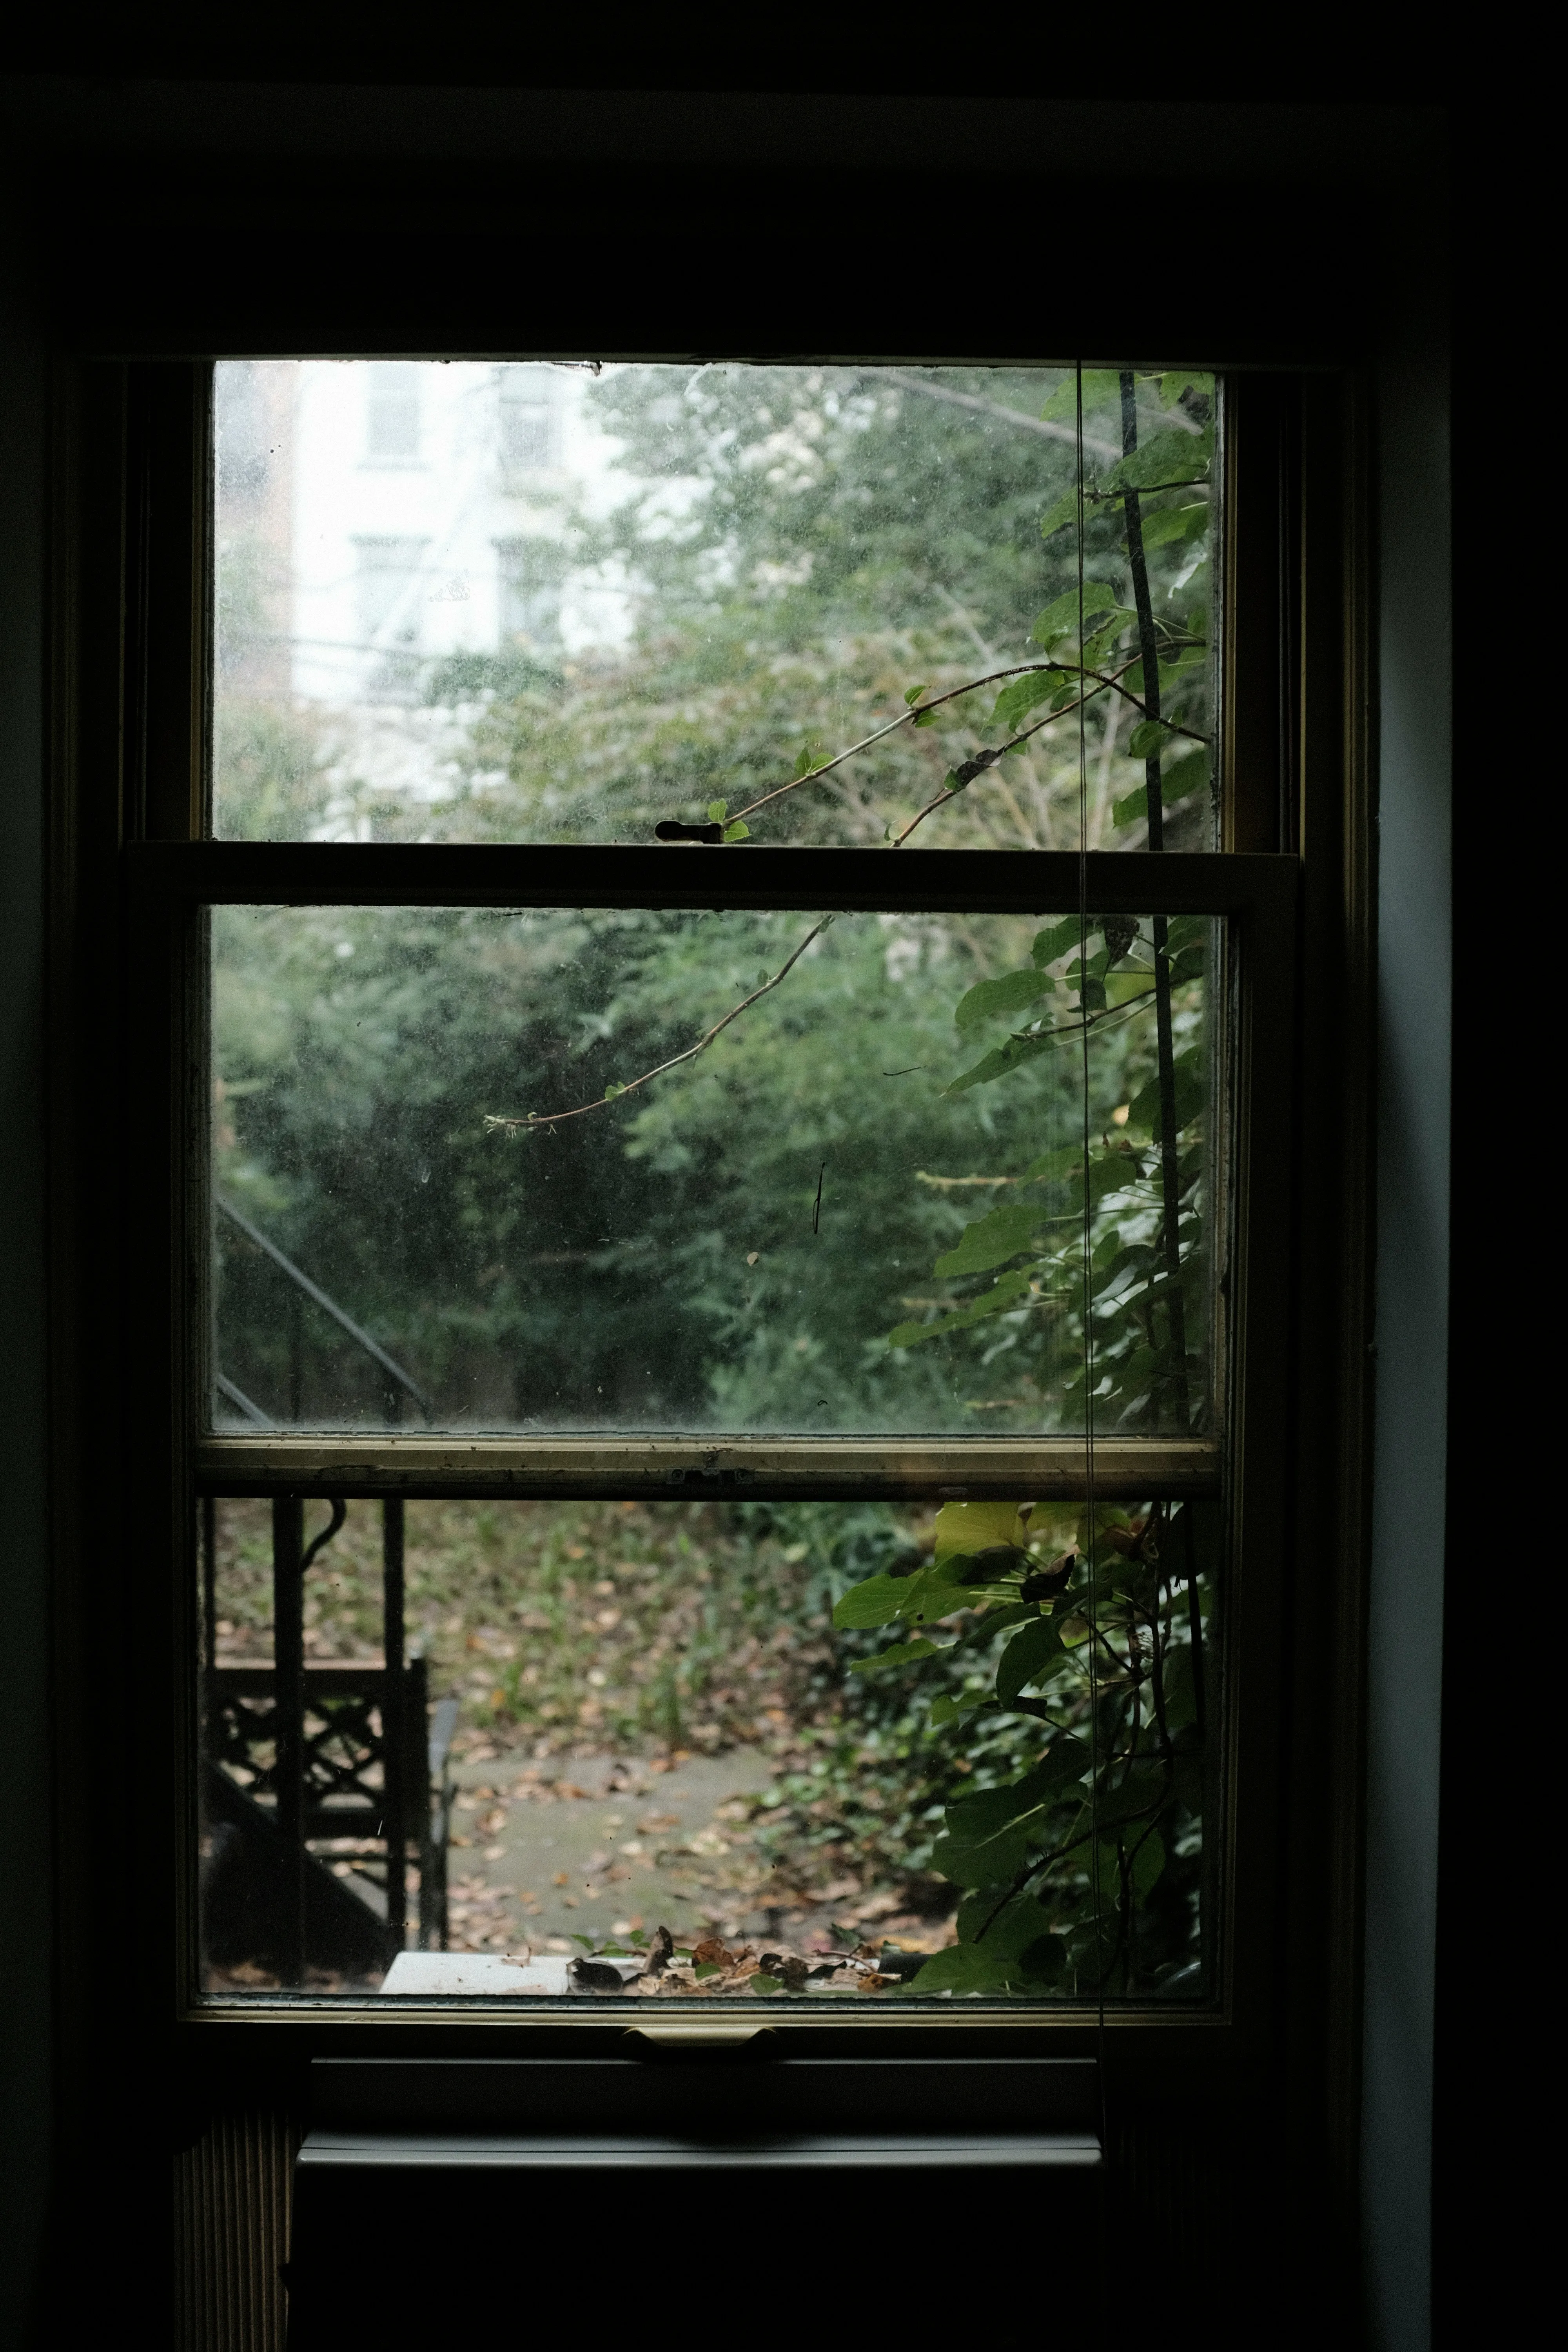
[1254, 896]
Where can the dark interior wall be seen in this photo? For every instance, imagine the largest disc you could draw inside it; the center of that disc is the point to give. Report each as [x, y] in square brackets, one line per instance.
[141, 212]
[24, 1940]
[1414, 987]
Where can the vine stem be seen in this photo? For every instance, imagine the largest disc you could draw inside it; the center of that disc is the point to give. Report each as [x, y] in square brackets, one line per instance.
[1169, 1173]
[918, 710]
[549, 1118]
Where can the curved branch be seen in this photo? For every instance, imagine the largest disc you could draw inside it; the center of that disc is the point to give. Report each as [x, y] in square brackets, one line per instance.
[580, 1111]
[1102, 680]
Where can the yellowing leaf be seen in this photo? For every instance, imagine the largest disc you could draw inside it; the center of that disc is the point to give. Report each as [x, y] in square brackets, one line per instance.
[970, 1527]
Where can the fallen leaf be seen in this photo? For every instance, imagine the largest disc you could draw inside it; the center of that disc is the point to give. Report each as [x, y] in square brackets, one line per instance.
[661, 1952]
[494, 1852]
[596, 1976]
[562, 1878]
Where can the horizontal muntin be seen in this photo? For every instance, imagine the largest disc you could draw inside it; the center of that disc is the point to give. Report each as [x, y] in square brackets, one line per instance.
[618, 874]
[831, 1469]
[879, 2152]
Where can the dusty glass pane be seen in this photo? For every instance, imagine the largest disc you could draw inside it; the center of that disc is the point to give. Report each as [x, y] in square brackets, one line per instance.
[753, 1750]
[468, 1171]
[541, 602]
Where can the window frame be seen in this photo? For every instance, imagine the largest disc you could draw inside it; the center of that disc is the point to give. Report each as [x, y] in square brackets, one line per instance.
[156, 874]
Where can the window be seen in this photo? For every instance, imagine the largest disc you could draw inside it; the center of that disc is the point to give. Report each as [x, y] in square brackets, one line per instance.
[531, 573]
[719, 1354]
[527, 420]
[392, 410]
[388, 588]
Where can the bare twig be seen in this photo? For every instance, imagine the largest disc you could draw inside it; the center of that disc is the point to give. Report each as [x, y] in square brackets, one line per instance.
[1101, 679]
[548, 1119]
[906, 382]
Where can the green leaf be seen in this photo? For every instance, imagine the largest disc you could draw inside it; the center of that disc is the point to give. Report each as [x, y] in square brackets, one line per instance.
[1051, 1167]
[806, 758]
[1064, 511]
[968, 1967]
[1148, 739]
[997, 1621]
[1143, 1112]
[719, 810]
[1147, 1863]
[1099, 386]
[912, 695]
[991, 1835]
[1183, 776]
[948, 1709]
[1005, 1293]
[1178, 380]
[1181, 1694]
[1001, 1923]
[902, 1653]
[1095, 648]
[1178, 783]
[877, 1602]
[927, 718]
[964, 1530]
[1003, 1058]
[737, 832]
[1060, 617]
[1061, 939]
[1015, 701]
[1026, 1656]
[612, 1090]
[1011, 993]
[1168, 457]
[991, 1240]
[1175, 525]
[1137, 1798]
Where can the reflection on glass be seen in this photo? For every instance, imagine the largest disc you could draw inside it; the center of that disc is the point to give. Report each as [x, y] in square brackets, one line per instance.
[540, 601]
[470, 1171]
[753, 1750]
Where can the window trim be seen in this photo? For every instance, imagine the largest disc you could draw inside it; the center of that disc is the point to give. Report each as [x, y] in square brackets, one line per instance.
[169, 884]
[133, 444]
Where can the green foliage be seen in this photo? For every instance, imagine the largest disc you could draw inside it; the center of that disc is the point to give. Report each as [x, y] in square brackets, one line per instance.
[1080, 1868]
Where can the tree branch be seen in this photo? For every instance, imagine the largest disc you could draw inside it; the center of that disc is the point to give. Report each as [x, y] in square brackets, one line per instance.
[907, 382]
[549, 1118]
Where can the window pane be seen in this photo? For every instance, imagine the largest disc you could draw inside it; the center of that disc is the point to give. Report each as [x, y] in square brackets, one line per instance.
[636, 1172]
[836, 1751]
[536, 602]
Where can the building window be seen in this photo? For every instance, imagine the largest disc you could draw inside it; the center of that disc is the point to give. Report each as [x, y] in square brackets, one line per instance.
[530, 582]
[392, 410]
[389, 598]
[528, 431]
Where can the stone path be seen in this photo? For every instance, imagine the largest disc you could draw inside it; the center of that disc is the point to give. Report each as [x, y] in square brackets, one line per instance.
[543, 1860]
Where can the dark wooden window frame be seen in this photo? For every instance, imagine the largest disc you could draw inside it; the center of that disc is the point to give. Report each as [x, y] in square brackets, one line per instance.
[130, 872]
